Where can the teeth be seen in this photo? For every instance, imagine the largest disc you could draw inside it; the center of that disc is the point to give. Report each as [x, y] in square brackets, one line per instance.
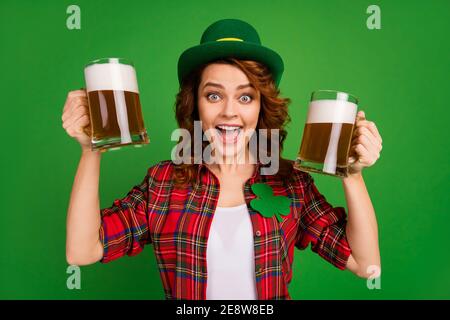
[231, 128]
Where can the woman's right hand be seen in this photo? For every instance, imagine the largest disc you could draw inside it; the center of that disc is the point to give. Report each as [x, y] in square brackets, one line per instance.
[75, 118]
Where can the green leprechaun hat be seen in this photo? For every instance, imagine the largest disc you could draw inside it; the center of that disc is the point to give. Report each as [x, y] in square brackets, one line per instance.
[229, 38]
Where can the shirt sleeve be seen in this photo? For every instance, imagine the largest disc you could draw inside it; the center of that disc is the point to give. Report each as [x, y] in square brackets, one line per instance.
[323, 226]
[124, 225]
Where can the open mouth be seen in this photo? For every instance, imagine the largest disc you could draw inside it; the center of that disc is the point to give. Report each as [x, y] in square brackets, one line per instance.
[228, 134]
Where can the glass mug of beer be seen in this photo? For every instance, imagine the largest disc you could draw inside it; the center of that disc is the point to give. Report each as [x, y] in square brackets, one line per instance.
[114, 105]
[328, 133]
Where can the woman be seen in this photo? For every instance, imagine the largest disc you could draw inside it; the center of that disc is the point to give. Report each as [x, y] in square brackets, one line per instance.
[230, 83]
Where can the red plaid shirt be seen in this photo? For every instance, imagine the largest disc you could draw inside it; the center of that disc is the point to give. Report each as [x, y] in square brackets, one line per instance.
[176, 220]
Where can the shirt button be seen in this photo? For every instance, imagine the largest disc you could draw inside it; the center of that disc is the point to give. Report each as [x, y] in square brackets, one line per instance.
[258, 233]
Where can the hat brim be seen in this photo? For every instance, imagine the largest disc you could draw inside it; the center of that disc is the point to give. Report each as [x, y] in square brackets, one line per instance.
[196, 56]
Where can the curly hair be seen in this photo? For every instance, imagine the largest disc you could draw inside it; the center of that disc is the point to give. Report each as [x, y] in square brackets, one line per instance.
[273, 113]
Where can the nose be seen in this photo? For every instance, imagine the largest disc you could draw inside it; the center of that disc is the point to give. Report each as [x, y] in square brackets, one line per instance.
[229, 109]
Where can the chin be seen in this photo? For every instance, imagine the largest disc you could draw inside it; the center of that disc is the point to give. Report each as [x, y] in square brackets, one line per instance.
[229, 151]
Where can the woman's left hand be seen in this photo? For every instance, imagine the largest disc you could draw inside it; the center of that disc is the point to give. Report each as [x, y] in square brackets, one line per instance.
[366, 145]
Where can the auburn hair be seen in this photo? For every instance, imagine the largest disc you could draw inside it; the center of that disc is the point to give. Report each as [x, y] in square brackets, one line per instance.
[273, 113]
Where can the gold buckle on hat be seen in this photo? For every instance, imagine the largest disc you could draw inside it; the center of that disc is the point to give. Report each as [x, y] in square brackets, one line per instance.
[229, 39]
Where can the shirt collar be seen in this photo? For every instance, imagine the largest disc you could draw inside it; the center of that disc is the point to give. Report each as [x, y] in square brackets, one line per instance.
[203, 167]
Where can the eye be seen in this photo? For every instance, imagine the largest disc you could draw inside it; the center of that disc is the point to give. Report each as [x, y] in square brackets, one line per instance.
[246, 98]
[213, 97]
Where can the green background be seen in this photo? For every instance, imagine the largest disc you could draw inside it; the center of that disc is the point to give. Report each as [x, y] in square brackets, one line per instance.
[400, 73]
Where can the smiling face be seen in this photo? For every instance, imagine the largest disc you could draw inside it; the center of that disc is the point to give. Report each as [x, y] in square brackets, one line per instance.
[228, 107]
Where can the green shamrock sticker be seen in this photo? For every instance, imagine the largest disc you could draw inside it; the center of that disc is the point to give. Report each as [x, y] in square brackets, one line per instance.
[267, 204]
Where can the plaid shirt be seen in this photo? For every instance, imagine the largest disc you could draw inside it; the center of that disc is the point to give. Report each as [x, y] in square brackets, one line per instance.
[176, 220]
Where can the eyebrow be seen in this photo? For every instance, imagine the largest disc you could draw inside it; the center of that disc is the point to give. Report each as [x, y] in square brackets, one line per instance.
[220, 86]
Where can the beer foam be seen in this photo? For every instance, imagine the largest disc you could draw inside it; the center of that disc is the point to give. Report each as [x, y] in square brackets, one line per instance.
[331, 111]
[110, 76]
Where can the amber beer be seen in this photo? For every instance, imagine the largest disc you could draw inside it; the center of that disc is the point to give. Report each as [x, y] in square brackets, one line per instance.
[114, 105]
[328, 133]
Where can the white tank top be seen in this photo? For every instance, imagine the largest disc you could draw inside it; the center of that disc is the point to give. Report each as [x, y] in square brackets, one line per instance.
[230, 255]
